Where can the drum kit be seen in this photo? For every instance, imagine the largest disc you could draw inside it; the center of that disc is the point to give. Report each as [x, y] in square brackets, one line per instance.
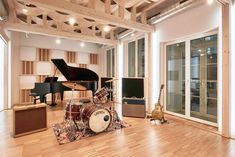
[94, 116]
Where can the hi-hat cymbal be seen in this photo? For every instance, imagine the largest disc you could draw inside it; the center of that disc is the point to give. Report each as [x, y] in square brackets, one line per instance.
[74, 85]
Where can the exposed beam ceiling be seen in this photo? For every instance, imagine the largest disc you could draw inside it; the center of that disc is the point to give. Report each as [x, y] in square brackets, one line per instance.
[81, 11]
[52, 32]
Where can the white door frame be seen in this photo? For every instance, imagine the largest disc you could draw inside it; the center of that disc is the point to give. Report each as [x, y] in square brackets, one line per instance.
[187, 75]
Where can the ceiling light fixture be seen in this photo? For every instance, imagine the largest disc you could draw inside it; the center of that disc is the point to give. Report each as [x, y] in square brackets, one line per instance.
[106, 28]
[58, 41]
[210, 2]
[72, 21]
[82, 44]
[132, 34]
[25, 10]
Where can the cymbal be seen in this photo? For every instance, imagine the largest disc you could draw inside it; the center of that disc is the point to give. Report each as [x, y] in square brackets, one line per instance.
[74, 85]
[114, 79]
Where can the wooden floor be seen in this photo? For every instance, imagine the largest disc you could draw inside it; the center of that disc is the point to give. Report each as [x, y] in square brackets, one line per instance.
[179, 138]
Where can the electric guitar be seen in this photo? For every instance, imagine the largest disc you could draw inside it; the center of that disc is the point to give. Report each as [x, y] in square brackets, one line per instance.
[157, 113]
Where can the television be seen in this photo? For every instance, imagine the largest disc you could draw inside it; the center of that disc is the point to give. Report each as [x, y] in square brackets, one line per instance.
[133, 87]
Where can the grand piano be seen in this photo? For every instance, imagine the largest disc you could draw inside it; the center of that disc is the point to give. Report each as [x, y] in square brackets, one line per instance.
[81, 76]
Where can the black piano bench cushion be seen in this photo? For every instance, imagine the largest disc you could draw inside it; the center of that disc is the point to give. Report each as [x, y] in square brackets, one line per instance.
[33, 94]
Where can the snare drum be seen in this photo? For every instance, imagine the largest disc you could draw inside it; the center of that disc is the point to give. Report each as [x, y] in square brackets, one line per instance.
[76, 109]
[96, 117]
[101, 95]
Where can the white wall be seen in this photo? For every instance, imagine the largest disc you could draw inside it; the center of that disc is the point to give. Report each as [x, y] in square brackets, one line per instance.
[232, 76]
[2, 95]
[200, 19]
[191, 22]
[49, 43]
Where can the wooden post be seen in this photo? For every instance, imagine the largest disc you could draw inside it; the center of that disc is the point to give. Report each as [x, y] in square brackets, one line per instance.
[143, 18]
[29, 20]
[44, 18]
[121, 9]
[133, 13]
[107, 6]
[225, 71]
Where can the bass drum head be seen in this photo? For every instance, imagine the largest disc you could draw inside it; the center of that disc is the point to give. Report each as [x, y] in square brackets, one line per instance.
[99, 120]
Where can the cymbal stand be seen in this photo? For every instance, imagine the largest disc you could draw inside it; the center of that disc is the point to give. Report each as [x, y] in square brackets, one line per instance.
[70, 107]
[110, 99]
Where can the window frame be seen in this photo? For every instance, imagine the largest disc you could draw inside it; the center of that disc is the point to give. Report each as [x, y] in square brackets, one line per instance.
[136, 56]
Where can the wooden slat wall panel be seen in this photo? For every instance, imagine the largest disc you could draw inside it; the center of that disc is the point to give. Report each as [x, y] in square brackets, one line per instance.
[82, 65]
[93, 58]
[43, 54]
[41, 78]
[83, 94]
[71, 56]
[25, 98]
[27, 67]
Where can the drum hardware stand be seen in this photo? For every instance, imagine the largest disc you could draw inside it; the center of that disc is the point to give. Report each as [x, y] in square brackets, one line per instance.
[70, 108]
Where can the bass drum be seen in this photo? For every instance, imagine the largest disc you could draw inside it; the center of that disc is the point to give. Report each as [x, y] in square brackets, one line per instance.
[96, 117]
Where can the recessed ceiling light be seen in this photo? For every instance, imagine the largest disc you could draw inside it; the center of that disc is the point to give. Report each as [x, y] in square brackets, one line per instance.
[210, 1]
[199, 50]
[58, 41]
[25, 10]
[82, 44]
[132, 34]
[72, 21]
[106, 28]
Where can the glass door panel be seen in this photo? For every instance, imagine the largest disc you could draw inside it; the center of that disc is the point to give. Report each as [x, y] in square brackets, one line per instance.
[113, 62]
[108, 60]
[175, 78]
[203, 78]
[140, 54]
[131, 59]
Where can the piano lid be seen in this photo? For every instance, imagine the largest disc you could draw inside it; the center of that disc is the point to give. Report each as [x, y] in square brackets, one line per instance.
[75, 73]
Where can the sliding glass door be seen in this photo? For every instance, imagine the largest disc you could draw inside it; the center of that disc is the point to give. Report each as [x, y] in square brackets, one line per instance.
[203, 78]
[191, 78]
[175, 98]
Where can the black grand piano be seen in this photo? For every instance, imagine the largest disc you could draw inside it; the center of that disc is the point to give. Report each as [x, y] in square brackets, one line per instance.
[82, 76]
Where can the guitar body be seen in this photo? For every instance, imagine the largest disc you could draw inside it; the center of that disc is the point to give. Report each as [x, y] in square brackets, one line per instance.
[157, 113]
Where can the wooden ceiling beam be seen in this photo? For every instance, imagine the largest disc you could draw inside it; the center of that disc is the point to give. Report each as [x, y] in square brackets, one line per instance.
[53, 32]
[86, 12]
[12, 12]
[149, 7]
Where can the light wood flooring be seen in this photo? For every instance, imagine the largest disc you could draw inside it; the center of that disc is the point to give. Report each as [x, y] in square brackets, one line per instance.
[179, 138]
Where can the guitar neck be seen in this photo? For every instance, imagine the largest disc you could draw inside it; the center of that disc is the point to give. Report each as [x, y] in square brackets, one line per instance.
[159, 97]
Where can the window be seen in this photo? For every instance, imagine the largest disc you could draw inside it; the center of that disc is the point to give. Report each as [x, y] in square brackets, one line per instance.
[136, 58]
[110, 62]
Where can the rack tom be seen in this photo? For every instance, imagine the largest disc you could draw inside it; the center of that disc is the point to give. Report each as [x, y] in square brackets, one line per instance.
[76, 111]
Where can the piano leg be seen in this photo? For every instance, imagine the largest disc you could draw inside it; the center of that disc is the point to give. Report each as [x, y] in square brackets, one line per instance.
[42, 99]
[61, 96]
[53, 103]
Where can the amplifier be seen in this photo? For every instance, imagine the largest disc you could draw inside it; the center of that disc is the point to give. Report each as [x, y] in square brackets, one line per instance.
[133, 107]
[29, 119]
